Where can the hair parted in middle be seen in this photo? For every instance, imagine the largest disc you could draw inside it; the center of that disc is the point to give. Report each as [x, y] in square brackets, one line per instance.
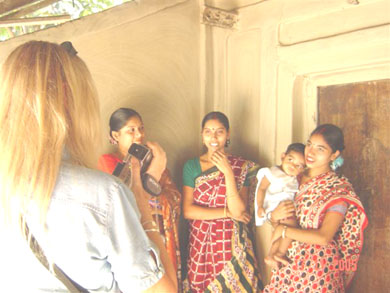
[332, 134]
[215, 115]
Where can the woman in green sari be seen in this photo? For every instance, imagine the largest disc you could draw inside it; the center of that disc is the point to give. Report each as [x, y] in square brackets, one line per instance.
[218, 207]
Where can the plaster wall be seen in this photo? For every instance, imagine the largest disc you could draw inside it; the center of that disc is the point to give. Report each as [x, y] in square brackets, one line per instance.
[273, 62]
[144, 55]
[159, 58]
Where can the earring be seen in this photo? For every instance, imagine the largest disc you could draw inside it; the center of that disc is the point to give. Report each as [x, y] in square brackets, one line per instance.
[337, 163]
[112, 140]
[227, 142]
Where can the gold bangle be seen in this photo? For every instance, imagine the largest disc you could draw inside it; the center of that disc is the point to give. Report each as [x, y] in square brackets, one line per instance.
[154, 225]
[152, 230]
[284, 232]
[269, 218]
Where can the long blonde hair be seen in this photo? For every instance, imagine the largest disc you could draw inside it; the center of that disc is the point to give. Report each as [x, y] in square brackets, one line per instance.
[48, 103]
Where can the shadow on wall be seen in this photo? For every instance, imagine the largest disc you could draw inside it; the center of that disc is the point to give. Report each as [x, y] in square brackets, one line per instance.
[244, 128]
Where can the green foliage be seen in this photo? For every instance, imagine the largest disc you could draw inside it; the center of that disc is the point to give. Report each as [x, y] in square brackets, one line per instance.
[75, 8]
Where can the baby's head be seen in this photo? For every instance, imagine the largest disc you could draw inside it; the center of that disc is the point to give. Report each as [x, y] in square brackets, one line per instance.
[293, 159]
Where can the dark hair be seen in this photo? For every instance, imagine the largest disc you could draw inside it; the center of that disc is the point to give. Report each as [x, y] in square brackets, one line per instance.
[296, 147]
[332, 134]
[216, 116]
[119, 118]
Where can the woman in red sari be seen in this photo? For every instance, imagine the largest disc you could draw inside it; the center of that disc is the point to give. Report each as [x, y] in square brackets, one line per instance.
[329, 241]
[126, 127]
[221, 257]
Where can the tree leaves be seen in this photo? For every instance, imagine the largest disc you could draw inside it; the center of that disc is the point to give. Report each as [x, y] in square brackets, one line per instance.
[75, 8]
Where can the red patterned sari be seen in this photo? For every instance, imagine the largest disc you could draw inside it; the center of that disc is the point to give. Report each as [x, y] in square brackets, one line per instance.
[221, 255]
[323, 268]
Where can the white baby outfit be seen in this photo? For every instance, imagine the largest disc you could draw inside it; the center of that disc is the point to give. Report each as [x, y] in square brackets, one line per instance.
[282, 187]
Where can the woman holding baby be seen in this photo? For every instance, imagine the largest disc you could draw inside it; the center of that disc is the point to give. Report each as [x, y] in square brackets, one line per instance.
[331, 218]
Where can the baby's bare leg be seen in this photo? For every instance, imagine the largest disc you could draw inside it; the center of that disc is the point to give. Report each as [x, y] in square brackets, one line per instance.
[270, 260]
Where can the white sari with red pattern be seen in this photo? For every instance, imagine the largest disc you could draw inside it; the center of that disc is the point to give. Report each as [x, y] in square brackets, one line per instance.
[323, 268]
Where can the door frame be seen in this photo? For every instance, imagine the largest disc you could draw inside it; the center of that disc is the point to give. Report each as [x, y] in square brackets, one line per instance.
[305, 94]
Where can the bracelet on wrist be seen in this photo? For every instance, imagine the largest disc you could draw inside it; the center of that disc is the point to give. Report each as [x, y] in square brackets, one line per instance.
[152, 222]
[269, 218]
[152, 230]
[284, 231]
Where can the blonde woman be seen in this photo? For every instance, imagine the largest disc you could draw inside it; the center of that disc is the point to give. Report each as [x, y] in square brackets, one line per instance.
[99, 233]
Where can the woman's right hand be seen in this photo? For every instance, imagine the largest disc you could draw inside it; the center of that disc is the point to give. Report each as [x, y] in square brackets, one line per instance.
[284, 210]
[244, 217]
[159, 161]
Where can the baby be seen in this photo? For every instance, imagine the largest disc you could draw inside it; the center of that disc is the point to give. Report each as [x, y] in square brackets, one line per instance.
[277, 184]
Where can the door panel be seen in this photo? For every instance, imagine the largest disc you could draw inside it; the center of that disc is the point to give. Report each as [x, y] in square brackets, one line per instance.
[362, 110]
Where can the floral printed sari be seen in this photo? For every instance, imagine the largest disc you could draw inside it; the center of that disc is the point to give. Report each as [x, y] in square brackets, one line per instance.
[221, 254]
[323, 268]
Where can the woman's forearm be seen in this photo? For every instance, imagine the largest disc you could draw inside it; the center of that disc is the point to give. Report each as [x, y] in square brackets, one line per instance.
[196, 212]
[321, 236]
[169, 285]
[312, 236]
[169, 281]
[235, 203]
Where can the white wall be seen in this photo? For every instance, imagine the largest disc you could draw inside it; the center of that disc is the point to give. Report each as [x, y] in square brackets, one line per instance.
[144, 55]
[273, 61]
[159, 58]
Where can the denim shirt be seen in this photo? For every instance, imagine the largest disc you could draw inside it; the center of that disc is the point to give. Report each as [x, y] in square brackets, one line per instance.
[93, 233]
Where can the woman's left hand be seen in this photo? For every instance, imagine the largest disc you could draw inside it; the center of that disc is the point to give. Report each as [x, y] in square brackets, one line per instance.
[159, 162]
[220, 160]
[284, 210]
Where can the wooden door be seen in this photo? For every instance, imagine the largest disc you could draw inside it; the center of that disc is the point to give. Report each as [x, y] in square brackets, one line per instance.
[362, 110]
